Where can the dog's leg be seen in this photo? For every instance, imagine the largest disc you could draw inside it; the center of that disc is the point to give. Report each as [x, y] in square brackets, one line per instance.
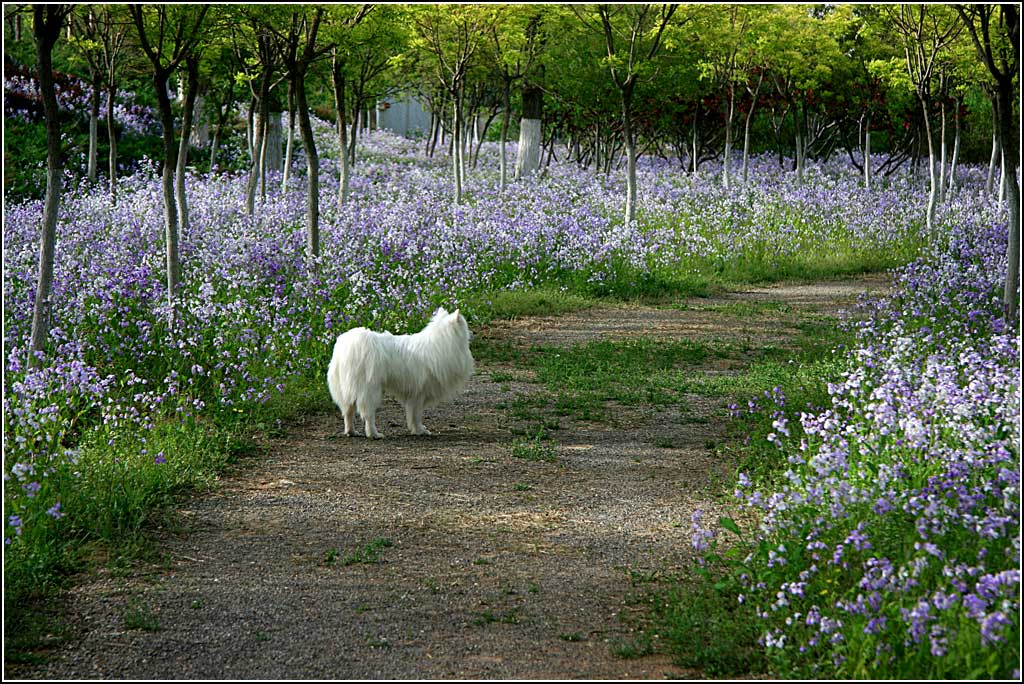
[370, 421]
[414, 417]
[350, 418]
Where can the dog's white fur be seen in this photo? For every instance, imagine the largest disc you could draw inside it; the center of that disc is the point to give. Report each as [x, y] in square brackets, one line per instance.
[419, 370]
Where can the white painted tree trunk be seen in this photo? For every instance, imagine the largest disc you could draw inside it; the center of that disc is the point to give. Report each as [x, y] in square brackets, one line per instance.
[728, 139]
[112, 137]
[1002, 176]
[289, 147]
[951, 184]
[942, 157]
[274, 161]
[502, 159]
[992, 164]
[94, 133]
[528, 156]
[201, 125]
[867, 157]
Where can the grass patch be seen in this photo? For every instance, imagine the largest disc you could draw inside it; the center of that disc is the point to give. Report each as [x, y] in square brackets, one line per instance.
[512, 304]
[489, 617]
[369, 553]
[139, 616]
[536, 449]
[701, 624]
[121, 486]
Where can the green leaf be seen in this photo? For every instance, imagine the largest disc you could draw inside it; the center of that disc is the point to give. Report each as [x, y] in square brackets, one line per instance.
[730, 524]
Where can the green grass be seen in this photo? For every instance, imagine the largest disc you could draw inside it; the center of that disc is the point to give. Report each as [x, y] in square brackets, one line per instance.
[139, 616]
[116, 494]
[512, 304]
[536, 449]
[369, 554]
[488, 617]
[701, 624]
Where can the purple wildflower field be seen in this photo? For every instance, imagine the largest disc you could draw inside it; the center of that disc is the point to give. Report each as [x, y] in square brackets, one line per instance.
[901, 512]
[22, 101]
[894, 544]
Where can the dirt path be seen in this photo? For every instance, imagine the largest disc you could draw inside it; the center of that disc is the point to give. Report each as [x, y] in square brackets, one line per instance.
[440, 557]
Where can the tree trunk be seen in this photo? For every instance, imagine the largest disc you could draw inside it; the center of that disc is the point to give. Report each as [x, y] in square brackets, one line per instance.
[312, 169]
[626, 98]
[250, 129]
[188, 112]
[696, 139]
[746, 127]
[170, 206]
[933, 189]
[728, 137]
[257, 127]
[274, 159]
[942, 153]
[1004, 104]
[956, 148]
[506, 105]
[338, 80]
[457, 146]
[994, 159]
[94, 128]
[291, 137]
[867, 155]
[528, 155]
[799, 145]
[47, 26]
[112, 139]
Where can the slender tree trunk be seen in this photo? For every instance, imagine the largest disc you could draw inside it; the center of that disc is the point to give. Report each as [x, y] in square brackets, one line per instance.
[942, 153]
[1004, 102]
[338, 79]
[933, 189]
[350, 150]
[170, 205]
[47, 26]
[627, 135]
[799, 145]
[867, 154]
[291, 137]
[112, 139]
[94, 128]
[728, 137]
[956, 148]
[250, 127]
[214, 144]
[506, 117]
[312, 169]
[696, 139]
[457, 146]
[188, 113]
[746, 127]
[994, 159]
[255, 169]
[258, 133]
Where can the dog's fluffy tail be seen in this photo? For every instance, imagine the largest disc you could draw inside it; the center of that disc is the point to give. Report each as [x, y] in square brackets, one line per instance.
[356, 370]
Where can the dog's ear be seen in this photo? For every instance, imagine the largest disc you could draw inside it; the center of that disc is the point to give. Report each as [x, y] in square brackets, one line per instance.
[441, 311]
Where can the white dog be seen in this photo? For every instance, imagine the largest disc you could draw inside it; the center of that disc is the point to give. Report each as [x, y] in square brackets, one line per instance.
[419, 370]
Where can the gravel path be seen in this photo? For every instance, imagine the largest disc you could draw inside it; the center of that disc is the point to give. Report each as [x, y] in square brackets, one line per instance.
[438, 557]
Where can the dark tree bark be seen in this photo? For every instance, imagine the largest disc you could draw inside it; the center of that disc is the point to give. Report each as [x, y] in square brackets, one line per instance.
[47, 24]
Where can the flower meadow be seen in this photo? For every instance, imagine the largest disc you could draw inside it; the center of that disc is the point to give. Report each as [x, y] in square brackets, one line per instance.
[891, 546]
[917, 445]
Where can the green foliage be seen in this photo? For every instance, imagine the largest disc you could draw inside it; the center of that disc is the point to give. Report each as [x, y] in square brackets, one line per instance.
[369, 553]
[702, 625]
[536, 449]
